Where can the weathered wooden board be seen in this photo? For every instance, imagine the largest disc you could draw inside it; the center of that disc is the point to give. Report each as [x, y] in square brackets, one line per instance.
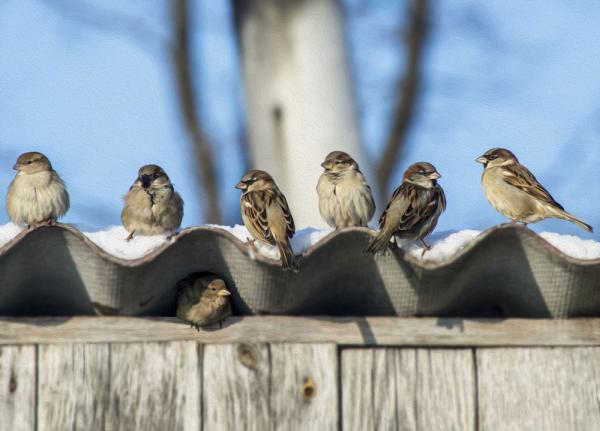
[304, 387]
[155, 387]
[236, 387]
[378, 389]
[270, 387]
[446, 390]
[408, 389]
[348, 331]
[73, 386]
[17, 388]
[539, 389]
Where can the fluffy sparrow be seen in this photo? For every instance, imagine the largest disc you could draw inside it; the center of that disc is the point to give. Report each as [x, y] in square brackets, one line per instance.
[345, 198]
[414, 208]
[37, 195]
[203, 299]
[266, 214]
[515, 192]
[152, 206]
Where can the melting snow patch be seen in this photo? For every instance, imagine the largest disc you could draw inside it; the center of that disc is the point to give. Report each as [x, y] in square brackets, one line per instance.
[112, 240]
[442, 249]
[301, 241]
[8, 232]
[573, 246]
[444, 244]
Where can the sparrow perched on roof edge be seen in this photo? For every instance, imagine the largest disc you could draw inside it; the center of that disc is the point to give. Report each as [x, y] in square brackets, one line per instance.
[266, 214]
[152, 206]
[515, 192]
[37, 194]
[345, 198]
[414, 208]
[202, 300]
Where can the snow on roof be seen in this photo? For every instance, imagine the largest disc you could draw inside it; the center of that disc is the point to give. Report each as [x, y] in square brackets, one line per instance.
[444, 244]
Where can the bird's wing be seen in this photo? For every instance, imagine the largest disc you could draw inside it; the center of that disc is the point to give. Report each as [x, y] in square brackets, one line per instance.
[520, 177]
[399, 204]
[413, 204]
[255, 213]
[287, 214]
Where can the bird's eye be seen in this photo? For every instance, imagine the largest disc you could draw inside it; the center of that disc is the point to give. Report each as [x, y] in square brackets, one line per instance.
[29, 162]
[156, 175]
[422, 172]
[492, 157]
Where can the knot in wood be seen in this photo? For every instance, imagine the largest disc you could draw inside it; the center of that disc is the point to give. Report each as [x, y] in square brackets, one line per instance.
[12, 384]
[309, 389]
[248, 356]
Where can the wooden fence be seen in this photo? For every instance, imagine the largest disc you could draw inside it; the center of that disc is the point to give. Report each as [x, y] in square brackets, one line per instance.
[285, 373]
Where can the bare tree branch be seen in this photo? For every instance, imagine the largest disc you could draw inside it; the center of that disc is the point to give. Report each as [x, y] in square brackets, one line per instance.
[407, 92]
[181, 63]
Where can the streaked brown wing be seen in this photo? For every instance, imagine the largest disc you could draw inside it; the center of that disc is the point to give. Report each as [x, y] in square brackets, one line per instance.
[520, 177]
[420, 204]
[383, 217]
[255, 212]
[287, 214]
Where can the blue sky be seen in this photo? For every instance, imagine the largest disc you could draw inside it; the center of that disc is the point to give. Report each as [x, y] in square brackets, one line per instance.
[524, 75]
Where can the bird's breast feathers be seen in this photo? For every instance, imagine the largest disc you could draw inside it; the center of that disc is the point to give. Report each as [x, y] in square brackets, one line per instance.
[35, 197]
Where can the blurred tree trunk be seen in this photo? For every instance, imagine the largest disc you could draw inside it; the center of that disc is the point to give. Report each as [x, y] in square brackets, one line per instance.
[299, 94]
[182, 69]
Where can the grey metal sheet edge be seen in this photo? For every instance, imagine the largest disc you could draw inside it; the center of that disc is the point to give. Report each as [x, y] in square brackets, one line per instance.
[507, 271]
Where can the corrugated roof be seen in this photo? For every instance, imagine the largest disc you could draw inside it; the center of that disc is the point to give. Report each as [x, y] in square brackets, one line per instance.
[506, 271]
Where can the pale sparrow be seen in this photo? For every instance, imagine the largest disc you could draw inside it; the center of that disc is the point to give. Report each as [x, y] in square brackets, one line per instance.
[37, 194]
[414, 208]
[152, 206]
[203, 299]
[345, 198]
[266, 214]
[515, 192]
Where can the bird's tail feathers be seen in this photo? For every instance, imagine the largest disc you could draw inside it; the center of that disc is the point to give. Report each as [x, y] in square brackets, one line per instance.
[566, 216]
[380, 243]
[288, 260]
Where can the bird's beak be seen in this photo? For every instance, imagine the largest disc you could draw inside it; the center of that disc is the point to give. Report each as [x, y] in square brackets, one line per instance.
[327, 164]
[241, 186]
[16, 166]
[435, 176]
[481, 160]
[146, 180]
[223, 293]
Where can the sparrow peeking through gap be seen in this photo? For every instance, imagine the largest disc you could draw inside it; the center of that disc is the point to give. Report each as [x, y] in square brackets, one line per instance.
[203, 300]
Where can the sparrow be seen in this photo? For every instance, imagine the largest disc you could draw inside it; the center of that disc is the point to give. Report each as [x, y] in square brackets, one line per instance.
[152, 206]
[345, 198]
[266, 214]
[36, 195]
[203, 299]
[413, 211]
[515, 192]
